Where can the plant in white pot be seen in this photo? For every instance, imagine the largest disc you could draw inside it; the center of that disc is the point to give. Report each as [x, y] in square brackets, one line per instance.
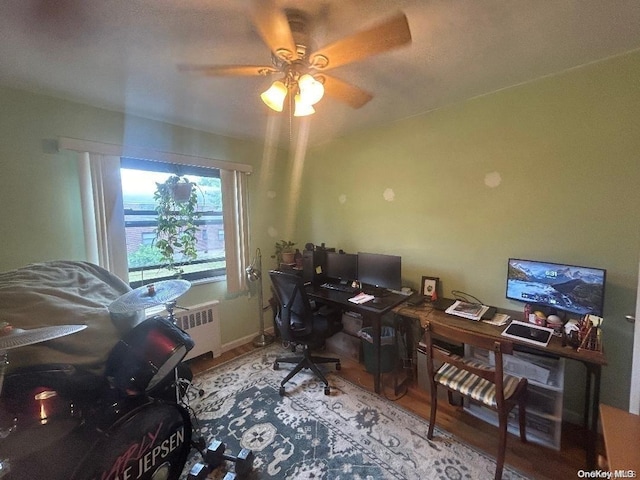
[176, 234]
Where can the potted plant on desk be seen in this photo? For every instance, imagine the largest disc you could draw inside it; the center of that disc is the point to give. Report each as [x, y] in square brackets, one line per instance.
[284, 252]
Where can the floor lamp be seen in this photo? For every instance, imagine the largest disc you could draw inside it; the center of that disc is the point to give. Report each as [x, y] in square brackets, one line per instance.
[254, 274]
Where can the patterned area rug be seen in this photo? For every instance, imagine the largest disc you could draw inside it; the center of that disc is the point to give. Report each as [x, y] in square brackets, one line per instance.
[350, 434]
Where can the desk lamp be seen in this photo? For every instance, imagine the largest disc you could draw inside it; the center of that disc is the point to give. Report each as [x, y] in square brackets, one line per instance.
[254, 274]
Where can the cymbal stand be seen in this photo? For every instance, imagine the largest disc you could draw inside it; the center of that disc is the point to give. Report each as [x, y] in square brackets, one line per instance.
[4, 362]
[170, 307]
[5, 431]
[179, 382]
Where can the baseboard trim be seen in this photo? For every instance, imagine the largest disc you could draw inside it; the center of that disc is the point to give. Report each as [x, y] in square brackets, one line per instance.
[241, 341]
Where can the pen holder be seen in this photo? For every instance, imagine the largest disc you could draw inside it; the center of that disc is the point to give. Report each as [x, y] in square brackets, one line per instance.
[587, 336]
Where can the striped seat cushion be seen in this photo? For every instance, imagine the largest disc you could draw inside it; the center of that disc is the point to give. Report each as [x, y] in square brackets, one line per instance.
[472, 385]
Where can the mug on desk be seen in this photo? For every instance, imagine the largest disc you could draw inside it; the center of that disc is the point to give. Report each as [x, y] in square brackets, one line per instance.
[538, 318]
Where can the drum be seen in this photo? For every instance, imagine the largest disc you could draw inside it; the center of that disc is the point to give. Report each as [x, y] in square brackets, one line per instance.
[149, 440]
[38, 406]
[146, 355]
[166, 389]
[37, 409]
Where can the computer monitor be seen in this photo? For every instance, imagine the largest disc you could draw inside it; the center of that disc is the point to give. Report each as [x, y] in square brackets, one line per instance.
[342, 266]
[379, 270]
[569, 288]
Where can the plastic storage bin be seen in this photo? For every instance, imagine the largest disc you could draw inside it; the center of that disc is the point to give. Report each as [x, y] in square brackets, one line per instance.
[351, 323]
[344, 345]
[388, 352]
[544, 396]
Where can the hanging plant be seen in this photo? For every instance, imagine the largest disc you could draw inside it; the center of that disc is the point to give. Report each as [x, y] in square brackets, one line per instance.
[181, 191]
[176, 234]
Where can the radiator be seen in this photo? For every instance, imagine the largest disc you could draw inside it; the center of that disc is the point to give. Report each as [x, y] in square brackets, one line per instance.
[202, 323]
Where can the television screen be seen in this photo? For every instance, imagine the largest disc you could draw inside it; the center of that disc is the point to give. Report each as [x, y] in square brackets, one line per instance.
[569, 288]
[342, 266]
[378, 270]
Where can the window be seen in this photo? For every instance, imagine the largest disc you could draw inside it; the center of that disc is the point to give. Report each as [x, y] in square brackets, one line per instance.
[103, 219]
[146, 238]
[139, 178]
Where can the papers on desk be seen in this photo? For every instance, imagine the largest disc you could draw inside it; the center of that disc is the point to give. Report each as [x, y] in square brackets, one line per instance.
[361, 298]
[472, 311]
[498, 319]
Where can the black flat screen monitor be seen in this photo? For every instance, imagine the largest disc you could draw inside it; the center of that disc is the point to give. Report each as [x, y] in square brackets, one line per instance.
[378, 270]
[342, 266]
[569, 288]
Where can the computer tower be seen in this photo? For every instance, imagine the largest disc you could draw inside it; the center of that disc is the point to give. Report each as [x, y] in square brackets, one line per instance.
[314, 265]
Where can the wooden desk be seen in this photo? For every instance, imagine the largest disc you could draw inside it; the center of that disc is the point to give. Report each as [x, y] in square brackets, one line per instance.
[621, 432]
[593, 362]
[371, 315]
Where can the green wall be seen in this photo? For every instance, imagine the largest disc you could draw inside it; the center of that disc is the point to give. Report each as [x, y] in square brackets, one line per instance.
[564, 148]
[566, 151]
[39, 186]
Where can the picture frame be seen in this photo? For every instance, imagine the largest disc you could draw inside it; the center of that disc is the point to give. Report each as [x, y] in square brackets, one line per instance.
[429, 286]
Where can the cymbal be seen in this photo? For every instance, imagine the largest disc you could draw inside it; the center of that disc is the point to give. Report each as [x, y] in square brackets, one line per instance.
[17, 337]
[149, 296]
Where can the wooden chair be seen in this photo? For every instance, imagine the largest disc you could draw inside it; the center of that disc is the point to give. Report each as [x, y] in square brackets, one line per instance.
[485, 384]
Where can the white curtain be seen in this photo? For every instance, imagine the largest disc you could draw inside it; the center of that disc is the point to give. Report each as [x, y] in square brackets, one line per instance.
[102, 212]
[236, 228]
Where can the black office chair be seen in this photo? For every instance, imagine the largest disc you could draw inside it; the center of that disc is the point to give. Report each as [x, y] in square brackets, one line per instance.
[300, 323]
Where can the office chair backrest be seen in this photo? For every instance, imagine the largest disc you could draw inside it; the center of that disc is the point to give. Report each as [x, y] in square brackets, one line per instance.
[295, 316]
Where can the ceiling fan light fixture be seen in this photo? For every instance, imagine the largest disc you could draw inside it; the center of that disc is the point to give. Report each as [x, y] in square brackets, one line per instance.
[287, 33]
[302, 109]
[311, 90]
[274, 96]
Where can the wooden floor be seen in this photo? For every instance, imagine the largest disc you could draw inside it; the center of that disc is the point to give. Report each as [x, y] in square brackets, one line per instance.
[531, 459]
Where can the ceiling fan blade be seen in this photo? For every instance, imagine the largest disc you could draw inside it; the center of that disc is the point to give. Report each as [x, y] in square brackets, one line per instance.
[345, 92]
[229, 70]
[393, 32]
[274, 28]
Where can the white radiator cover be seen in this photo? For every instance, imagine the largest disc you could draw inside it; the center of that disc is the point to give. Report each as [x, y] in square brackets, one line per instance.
[202, 323]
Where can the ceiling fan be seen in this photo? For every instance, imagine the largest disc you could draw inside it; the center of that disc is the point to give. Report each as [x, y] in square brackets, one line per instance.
[301, 71]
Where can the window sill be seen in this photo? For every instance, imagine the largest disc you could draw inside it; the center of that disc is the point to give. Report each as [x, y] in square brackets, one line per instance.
[203, 281]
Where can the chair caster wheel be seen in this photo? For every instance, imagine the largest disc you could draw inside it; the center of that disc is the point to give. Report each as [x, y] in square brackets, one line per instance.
[281, 391]
[327, 391]
[276, 366]
[338, 366]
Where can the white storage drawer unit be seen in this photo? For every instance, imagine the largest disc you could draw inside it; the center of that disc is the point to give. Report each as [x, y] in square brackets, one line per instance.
[421, 361]
[545, 392]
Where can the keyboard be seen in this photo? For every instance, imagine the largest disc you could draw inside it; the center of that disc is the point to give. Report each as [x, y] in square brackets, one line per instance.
[340, 288]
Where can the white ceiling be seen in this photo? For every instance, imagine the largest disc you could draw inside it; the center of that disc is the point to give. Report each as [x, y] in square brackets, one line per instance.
[122, 54]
